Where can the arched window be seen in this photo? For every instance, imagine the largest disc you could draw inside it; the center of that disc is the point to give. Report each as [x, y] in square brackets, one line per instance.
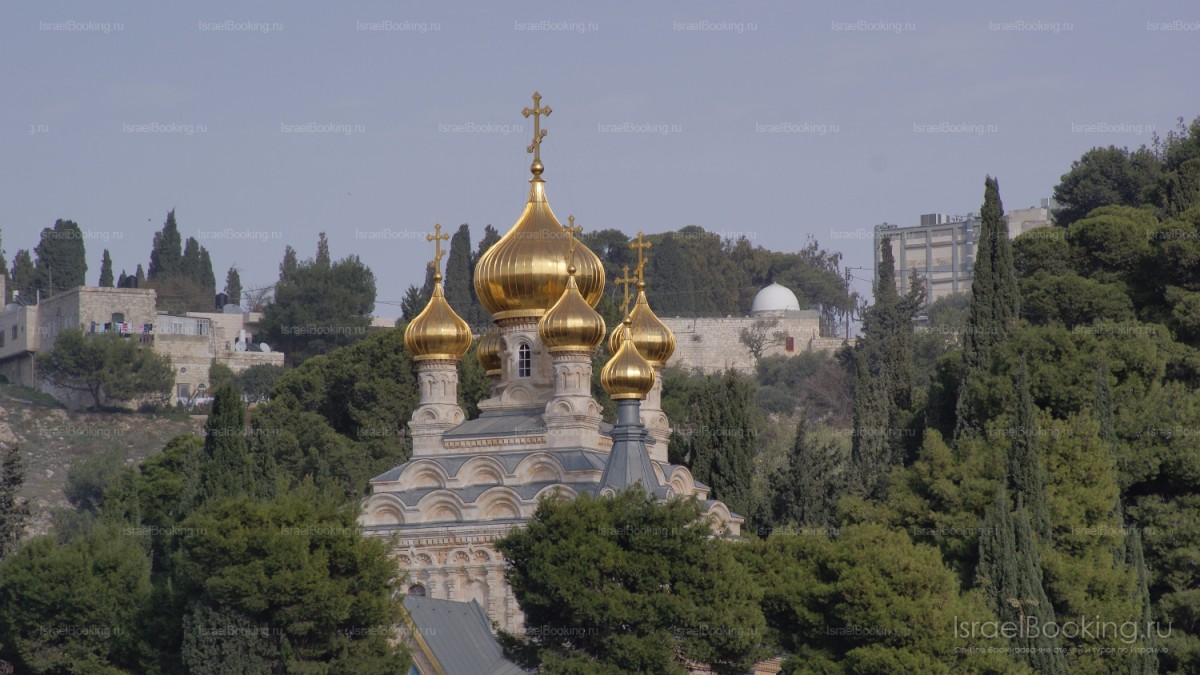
[417, 590]
[524, 361]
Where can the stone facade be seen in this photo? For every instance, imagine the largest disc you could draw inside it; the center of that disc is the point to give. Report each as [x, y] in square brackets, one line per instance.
[714, 344]
[192, 342]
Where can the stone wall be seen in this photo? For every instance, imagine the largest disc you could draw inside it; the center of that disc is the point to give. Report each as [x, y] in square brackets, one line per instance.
[89, 308]
[714, 344]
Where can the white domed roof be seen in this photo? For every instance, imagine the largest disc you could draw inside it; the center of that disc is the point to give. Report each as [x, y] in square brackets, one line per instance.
[775, 298]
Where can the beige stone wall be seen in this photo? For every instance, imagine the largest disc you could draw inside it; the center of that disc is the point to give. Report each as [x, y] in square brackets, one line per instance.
[80, 307]
[714, 344]
[25, 338]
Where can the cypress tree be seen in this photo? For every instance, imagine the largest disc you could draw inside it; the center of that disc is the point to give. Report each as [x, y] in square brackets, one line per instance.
[1026, 469]
[189, 266]
[60, 260]
[123, 280]
[140, 278]
[1145, 660]
[166, 253]
[323, 258]
[456, 279]
[233, 286]
[226, 468]
[807, 491]
[289, 265]
[207, 280]
[24, 274]
[1010, 575]
[106, 271]
[13, 510]
[722, 438]
[995, 300]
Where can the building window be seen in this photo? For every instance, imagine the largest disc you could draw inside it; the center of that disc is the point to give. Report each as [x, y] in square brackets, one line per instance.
[14, 335]
[524, 361]
[182, 391]
[416, 590]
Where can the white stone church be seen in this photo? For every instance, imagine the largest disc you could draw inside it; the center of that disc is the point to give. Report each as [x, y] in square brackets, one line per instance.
[540, 431]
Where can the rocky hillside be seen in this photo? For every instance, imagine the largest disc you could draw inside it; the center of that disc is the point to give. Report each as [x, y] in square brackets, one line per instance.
[53, 438]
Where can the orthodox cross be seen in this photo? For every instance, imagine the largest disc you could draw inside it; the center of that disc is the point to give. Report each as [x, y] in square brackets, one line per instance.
[640, 246]
[626, 281]
[572, 232]
[538, 132]
[437, 238]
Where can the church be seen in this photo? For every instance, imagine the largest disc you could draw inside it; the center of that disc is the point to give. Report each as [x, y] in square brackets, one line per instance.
[540, 432]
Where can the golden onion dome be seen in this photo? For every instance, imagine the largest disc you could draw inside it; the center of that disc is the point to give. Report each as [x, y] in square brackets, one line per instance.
[627, 375]
[488, 352]
[525, 272]
[437, 332]
[571, 324]
[654, 341]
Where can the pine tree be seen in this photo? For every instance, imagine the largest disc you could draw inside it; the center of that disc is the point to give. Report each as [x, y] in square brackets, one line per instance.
[722, 438]
[670, 283]
[166, 254]
[233, 286]
[414, 301]
[1026, 468]
[995, 301]
[457, 277]
[190, 263]
[227, 469]
[14, 511]
[106, 272]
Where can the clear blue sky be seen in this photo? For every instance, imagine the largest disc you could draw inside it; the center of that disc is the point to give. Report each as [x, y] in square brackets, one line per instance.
[665, 115]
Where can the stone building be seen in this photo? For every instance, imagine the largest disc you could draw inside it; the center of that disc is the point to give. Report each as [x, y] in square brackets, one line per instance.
[540, 431]
[715, 344]
[192, 341]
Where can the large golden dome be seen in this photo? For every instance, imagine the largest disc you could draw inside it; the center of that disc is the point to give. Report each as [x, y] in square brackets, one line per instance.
[526, 271]
[571, 324]
[488, 352]
[437, 332]
[627, 375]
[654, 341]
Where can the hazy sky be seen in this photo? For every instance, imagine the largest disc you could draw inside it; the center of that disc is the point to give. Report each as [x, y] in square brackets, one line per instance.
[264, 123]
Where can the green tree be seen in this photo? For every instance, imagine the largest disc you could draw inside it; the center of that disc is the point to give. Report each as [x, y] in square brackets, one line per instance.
[75, 608]
[1026, 467]
[257, 381]
[233, 286]
[299, 566]
[24, 275]
[1011, 578]
[995, 300]
[140, 277]
[229, 468]
[219, 375]
[318, 305]
[89, 478]
[60, 259]
[1073, 300]
[14, 511]
[166, 254]
[458, 276]
[106, 272]
[632, 585]
[107, 367]
[720, 438]
[807, 492]
[1104, 177]
[414, 301]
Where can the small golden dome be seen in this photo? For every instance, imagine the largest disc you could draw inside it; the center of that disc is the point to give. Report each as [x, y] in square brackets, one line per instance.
[654, 341]
[437, 332]
[571, 324]
[627, 375]
[488, 352]
[526, 271]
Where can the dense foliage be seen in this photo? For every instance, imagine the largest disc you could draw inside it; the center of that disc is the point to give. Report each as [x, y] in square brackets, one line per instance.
[107, 367]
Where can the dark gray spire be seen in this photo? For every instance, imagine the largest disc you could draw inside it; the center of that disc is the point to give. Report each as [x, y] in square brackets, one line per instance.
[629, 463]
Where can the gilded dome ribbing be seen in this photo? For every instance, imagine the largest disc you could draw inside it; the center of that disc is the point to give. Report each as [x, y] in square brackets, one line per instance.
[437, 332]
[525, 272]
[571, 324]
[627, 375]
[488, 352]
[654, 341]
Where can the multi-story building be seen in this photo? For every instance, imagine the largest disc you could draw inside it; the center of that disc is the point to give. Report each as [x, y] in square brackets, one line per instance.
[941, 250]
[192, 342]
